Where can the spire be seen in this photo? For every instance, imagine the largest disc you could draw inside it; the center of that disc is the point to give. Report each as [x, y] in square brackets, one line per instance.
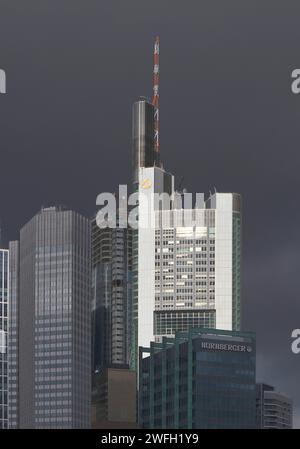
[155, 99]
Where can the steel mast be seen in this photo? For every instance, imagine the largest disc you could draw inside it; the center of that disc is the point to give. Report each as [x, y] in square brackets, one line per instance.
[155, 99]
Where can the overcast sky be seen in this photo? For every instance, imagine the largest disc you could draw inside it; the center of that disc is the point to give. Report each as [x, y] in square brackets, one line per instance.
[228, 119]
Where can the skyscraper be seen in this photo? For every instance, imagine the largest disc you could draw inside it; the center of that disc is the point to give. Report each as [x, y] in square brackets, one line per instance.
[111, 296]
[188, 260]
[54, 321]
[143, 155]
[4, 305]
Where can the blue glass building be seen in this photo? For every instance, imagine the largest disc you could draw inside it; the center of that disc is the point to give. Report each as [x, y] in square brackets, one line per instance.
[201, 379]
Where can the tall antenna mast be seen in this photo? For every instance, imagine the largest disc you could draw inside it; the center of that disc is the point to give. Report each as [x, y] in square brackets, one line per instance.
[155, 99]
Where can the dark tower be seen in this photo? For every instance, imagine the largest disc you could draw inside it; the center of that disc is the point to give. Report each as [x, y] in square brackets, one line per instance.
[142, 136]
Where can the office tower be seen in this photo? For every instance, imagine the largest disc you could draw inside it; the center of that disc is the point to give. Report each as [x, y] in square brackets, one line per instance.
[201, 379]
[188, 260]
[152, 180]
[114, 399]
[274, 410]
[54, 321]
[113, 385]
[4, 305]
[142, 156]
[111, 296]
[13, 354]
[146, 153]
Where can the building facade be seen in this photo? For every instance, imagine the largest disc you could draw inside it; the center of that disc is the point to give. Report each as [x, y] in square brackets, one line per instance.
[274, 410]
[201, 379]
[4, 310]
[54, 331]
[13, 355]
[111, 296]
[188, 260]
[152, 181]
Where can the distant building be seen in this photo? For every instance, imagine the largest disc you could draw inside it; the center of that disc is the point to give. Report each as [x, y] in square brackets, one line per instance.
[201, 379]
[4, 309]
[274, 410]
[114, 399]
[50, 363]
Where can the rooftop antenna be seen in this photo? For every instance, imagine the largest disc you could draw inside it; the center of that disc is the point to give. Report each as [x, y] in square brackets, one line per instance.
[155, 98]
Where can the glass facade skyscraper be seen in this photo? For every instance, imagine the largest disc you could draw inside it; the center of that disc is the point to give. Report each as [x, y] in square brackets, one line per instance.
[111, 296]
[4, 305]
[201, 379]
[54, 336]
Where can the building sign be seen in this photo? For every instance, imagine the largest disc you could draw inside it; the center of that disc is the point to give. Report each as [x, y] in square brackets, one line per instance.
[231, 347]
[146, 184]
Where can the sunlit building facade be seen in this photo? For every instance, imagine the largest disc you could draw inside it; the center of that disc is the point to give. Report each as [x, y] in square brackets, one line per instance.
[189, 260]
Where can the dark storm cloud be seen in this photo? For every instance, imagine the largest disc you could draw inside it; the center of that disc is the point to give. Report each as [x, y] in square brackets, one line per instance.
[228, 119]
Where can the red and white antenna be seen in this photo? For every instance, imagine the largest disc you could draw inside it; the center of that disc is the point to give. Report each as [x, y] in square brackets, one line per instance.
[155, 99]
